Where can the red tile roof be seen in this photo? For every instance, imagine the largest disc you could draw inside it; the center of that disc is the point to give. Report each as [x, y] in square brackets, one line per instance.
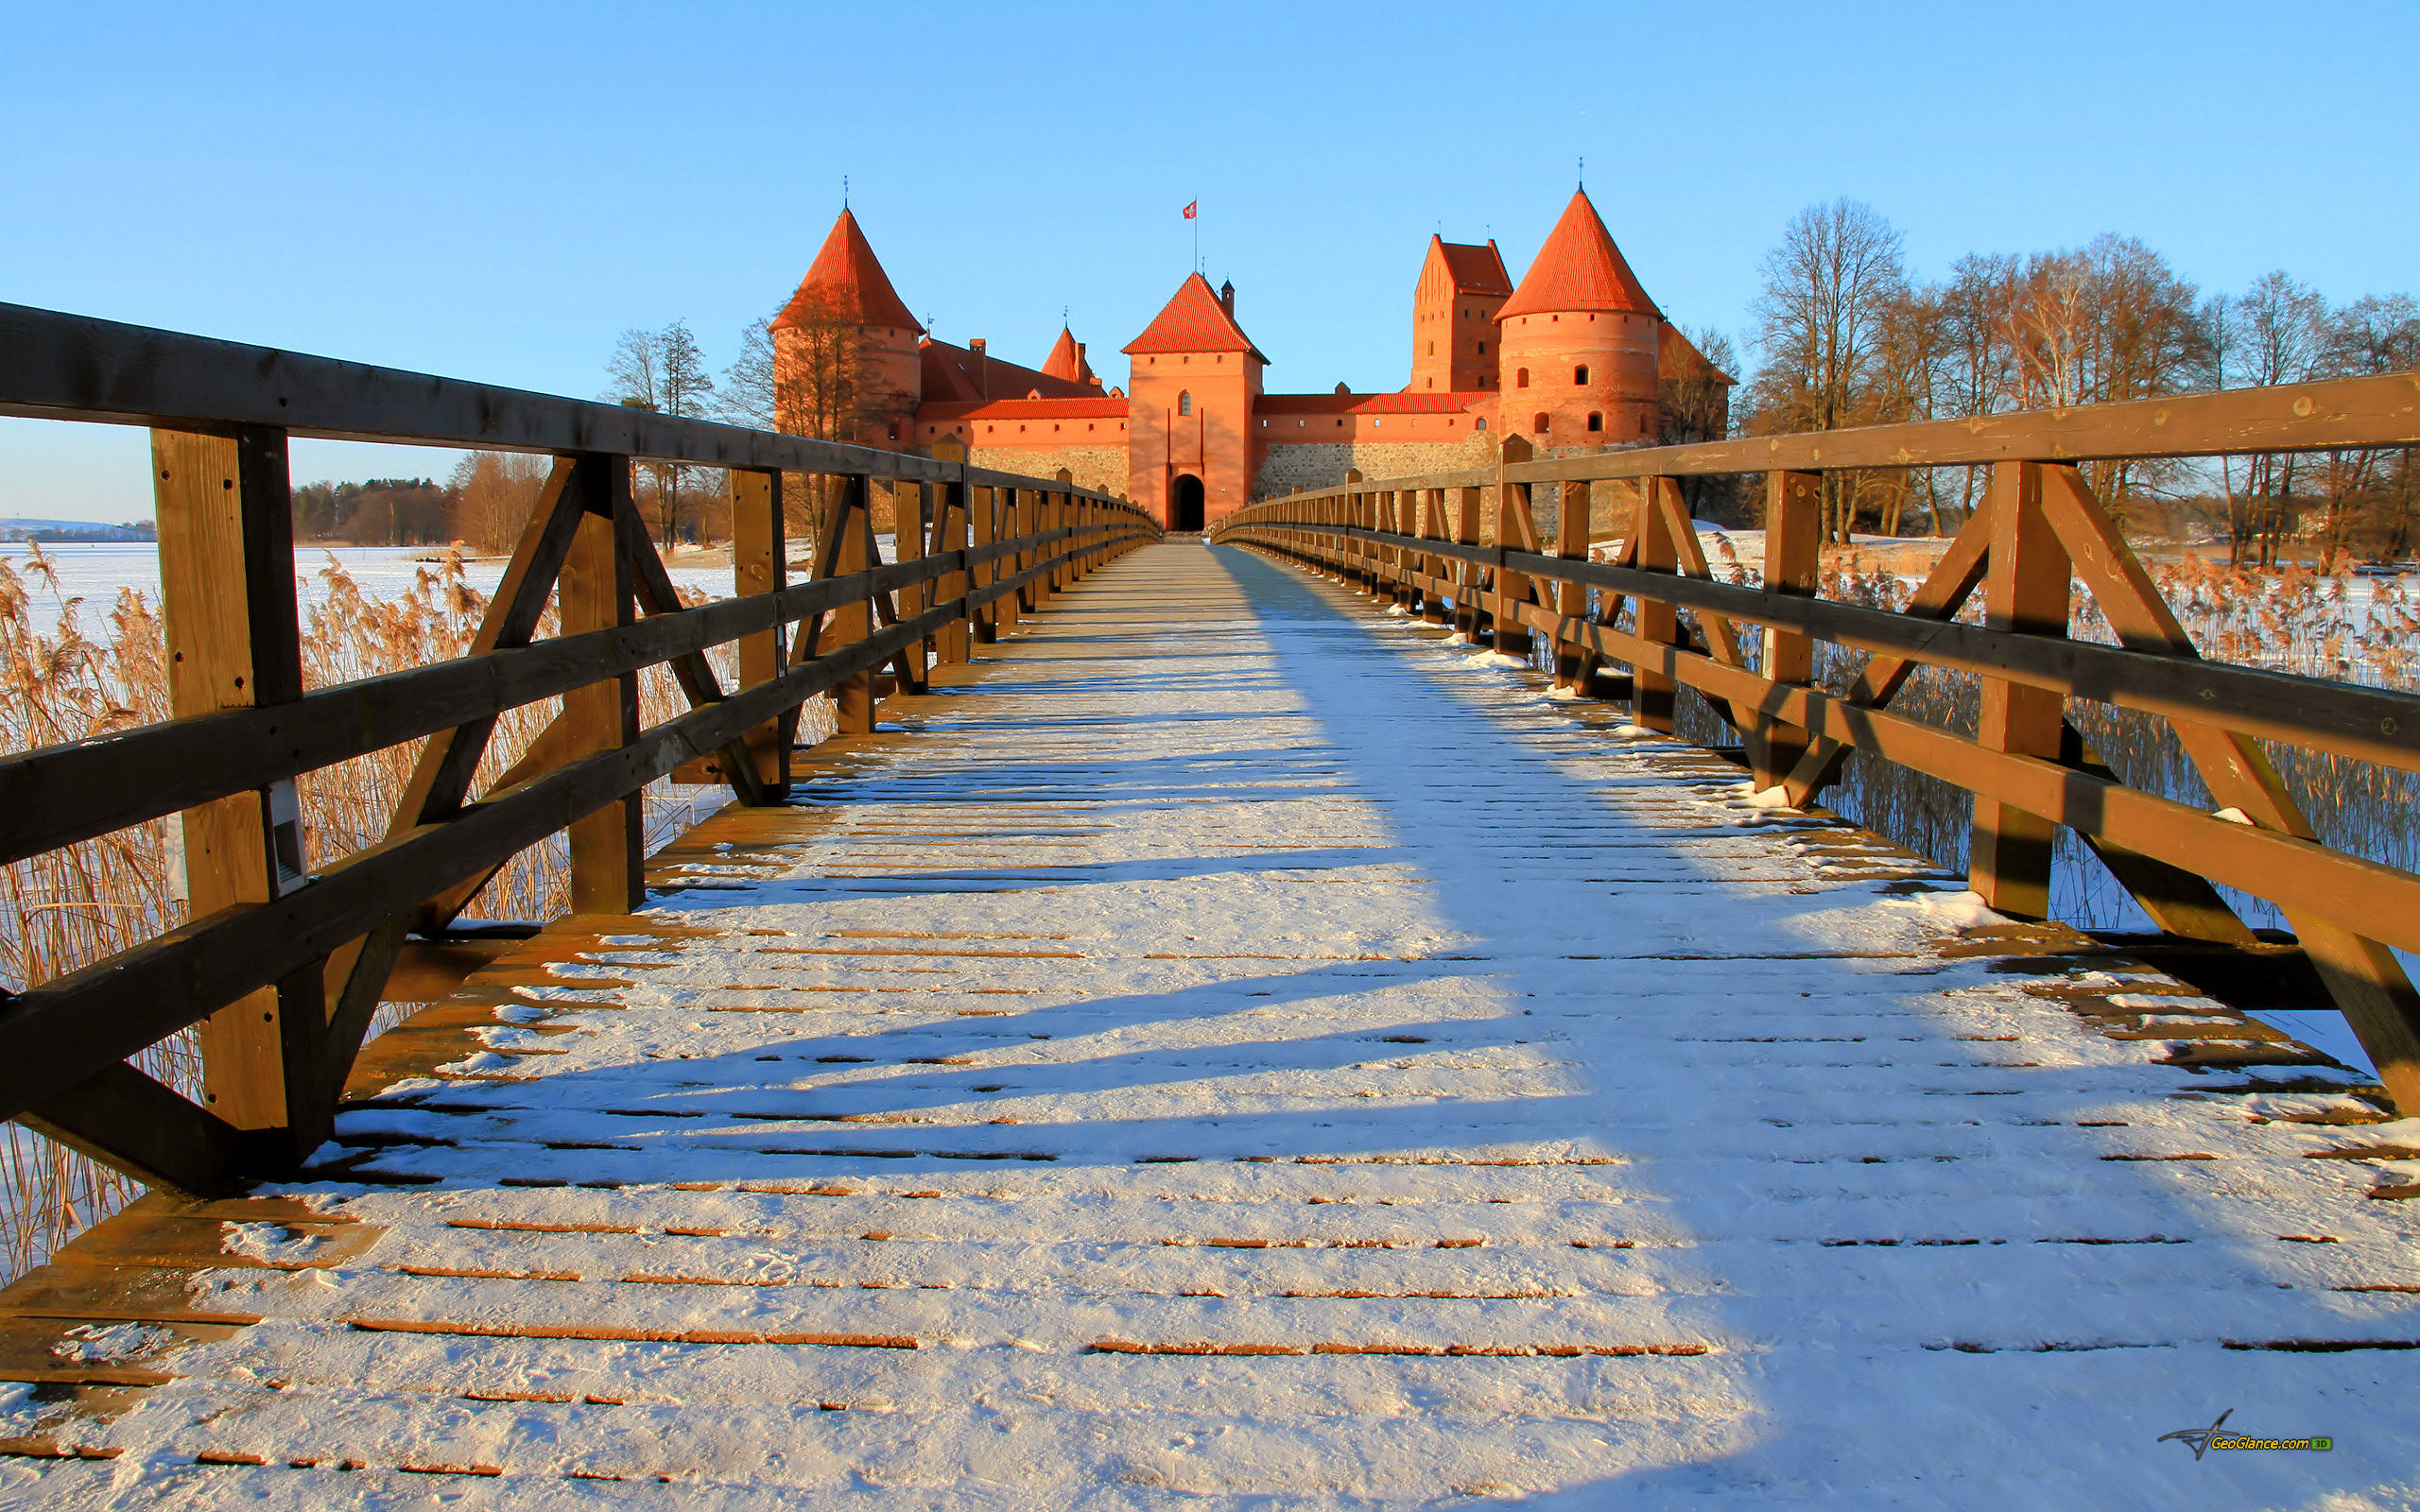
[1028, 409]
[1194, 320]
[1476, 269]
[1066, 361]
[1424, 401]
[1677, 357]
[957, 374]
[847, 280]
[1579, 269]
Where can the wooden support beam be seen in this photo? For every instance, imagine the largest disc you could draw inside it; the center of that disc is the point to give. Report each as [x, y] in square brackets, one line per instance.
[1467, 505]
[1653, 692]
[1515, 530]
[128, 1121]
[1792, 560]
[851, 536]
[227, 600]
[985, 518]
[607, 845]
[759, 564]
[1574, 668]
[2025, 594]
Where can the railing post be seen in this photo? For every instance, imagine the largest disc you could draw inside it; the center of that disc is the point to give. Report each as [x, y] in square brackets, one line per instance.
[594, 593]
[759, 564]
[226, 597]
[984, 515]
[1653, 693]
[1573, 666]
[950, 535]
[1466, 573]
[1793, 545]
[1515, 530]
[2025, 592]
[1432, 527]
[907, 501]
[853, 699]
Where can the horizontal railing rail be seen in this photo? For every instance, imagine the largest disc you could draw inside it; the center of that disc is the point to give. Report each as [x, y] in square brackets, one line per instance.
[1489, 551]
[281, 969]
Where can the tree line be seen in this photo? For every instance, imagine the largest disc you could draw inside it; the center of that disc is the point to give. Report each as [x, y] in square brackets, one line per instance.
[1846, 336]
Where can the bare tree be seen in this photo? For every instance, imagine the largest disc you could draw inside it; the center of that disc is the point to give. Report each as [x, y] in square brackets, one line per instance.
[665, 372]
[494, 493]
[2278, 337]
[1828, 287]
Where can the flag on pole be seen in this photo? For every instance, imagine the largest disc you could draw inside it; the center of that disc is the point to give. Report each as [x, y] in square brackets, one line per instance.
[1190, 208]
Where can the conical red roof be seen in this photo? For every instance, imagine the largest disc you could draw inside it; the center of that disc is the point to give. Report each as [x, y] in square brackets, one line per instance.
[1579, 269]
[848, 281]
[1194, 320]
[1066, 360]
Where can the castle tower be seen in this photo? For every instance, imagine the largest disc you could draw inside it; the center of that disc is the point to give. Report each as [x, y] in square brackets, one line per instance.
[1191, 448]
[1453, 317]
[1580, 339]
[844, 349]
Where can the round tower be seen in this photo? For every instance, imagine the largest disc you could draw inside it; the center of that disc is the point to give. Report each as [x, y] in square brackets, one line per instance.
[846, 362]
[1578, 342]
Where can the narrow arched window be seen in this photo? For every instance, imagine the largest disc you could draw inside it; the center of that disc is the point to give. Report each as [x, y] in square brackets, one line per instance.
[1432, 349]
[1538, 422]
[1579, 375]
[1185, 403]
[1479, 424]
[1482, 348]
[1595, 420]
[1521, 378]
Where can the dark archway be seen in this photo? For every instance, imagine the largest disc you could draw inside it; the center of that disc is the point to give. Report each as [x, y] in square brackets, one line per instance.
[1184, 509]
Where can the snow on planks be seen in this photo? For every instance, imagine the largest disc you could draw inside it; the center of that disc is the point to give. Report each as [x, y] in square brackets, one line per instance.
[1232, 1048]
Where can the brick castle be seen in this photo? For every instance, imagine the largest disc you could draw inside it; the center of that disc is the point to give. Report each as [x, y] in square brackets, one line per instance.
[1575, 356]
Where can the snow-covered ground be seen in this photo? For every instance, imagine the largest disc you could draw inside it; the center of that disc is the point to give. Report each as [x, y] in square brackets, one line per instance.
[1262, 1056]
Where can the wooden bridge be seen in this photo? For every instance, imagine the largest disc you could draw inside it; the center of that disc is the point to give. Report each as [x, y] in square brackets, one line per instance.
[1212, 1029]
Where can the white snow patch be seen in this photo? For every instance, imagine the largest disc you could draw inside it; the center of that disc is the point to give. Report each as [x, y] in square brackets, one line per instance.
[1769, 798]
[266, 1241]
[108, 1343]
[1958, 910]
[2232, 815]
[480, 1062]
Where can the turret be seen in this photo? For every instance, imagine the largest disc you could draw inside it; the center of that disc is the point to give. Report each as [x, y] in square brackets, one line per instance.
[844, 349]
[1579, 342]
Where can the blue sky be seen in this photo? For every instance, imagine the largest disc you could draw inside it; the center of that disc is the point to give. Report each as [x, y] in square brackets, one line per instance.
[495, 191]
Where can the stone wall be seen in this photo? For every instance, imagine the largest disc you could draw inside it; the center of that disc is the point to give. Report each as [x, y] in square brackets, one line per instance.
[1322, 464]
[1094, 467]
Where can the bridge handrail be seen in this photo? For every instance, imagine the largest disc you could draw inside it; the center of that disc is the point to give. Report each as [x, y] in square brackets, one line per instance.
[313, 954]
[2039, 530]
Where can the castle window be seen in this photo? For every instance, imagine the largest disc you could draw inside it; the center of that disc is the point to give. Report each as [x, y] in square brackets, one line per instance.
[1432, 349]
[894, 430]
[1521, 378]
[1482, 348]
[1539, 422]
[1644, 427]
[1185, 403]
[1479, 424]
[1595, 420]
[1339, 419]
[1432, 383]
[1579, 374]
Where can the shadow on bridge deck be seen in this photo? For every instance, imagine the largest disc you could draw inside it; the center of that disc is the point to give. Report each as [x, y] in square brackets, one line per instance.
[1229, 1049]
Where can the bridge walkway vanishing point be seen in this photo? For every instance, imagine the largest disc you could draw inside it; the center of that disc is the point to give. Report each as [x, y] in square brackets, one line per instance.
[1230, 1046]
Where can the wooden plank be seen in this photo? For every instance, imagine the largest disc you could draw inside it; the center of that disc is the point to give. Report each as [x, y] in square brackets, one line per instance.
[608, 841]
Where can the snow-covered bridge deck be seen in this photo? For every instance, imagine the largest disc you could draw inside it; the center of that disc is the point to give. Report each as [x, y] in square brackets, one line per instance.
[1230, 1048]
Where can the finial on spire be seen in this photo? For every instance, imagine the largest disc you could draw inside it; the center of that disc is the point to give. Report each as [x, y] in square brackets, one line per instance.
[844, 191]
[1583, 175]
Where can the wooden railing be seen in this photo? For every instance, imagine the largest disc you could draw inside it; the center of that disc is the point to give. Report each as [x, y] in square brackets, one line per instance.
[283, 970]
[1471, 545]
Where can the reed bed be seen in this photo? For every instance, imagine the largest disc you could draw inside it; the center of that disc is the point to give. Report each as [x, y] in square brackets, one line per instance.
[2293, 620]
[64, 677]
